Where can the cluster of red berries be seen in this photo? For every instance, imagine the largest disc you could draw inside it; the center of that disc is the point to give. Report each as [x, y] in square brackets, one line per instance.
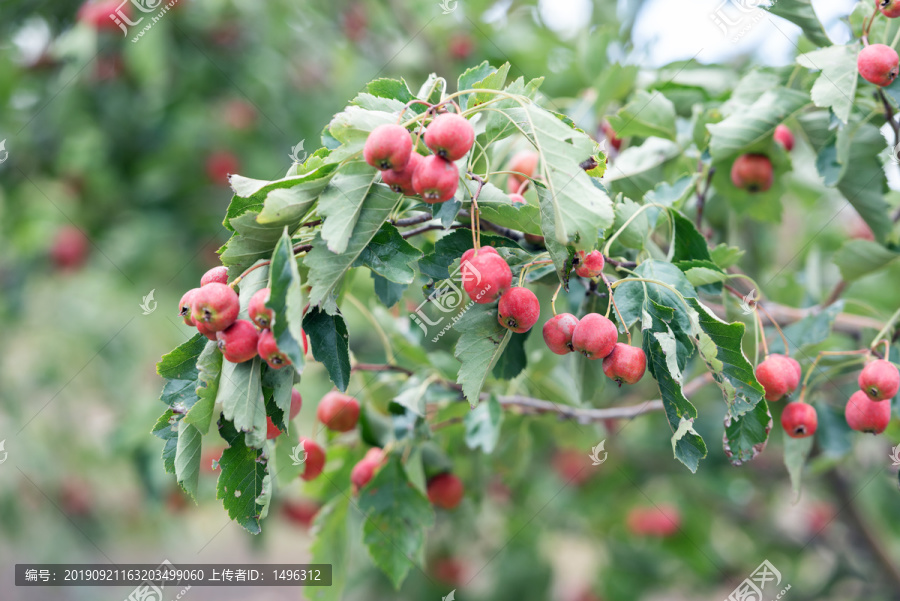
[435, 178]
[753, 172]
[867, 410]
[213, 309]
[879, 63]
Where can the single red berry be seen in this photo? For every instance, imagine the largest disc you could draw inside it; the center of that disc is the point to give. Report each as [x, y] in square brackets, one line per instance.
[296, 403]
[610, 134]
[216, 306]
[660, 521]
[221, 164]
[784, 136]
[302, 512]
[880, 380]
[388, 146]
[460, 46]
[201, 327]
[338, 412]
[218, 275]
[401, 181]
[779, 376]
[517, 199]
[305, 343]
[889, 8]
[238, 341]
[99, 14]
[272, 430]
[257, 310]
[558, 332]
[467, 256]
[866, 415]
[445, 491]
[878, 64]
[449, 136]
[269, 352]
[595, 336]
[590, 265]
[363, 471]
[315, 459]
[70, 247]
[573, 466]
[799, 420]
[184, 307]
[435, 179]
[752, 172]
[518, 310]
[524, 164]
[625, 364]
[485, 277]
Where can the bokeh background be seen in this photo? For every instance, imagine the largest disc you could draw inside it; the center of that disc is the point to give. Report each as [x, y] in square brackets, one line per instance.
[114, 187]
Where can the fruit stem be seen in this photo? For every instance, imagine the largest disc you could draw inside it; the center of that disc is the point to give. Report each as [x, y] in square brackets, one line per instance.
[867, 25]
[812, 368]
[762, 332]
[553, 300]
[887, 328]
[628, 221]
[612, 302]
[528, 267]
[887, 350]
[476, 222]
[409, 104]
[787, 349]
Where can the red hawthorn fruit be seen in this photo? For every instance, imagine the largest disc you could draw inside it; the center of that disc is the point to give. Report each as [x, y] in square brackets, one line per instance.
[388, 146]
[257, 310]
[517, 199]
[201, 327]
[449, 136]
[238, 341]
[485, 277]
[880, 380]
[315, 459]
[524, 163]
[467, 256]
[784, 136]
[610, 134]
[558, 332]
[217, 275]
[98, 14]
[779, 376]
[184, 307]
[753, 173]
[272, 431]
[69, 249]
[590, 265]
[449, 570]
[338, 412]
[216, 306]
[661, 521]
[799, 420]
[864, 414]
[301, 512]
[401, 181]
[625, 364]
[572, 466]
[363, 471]
[435, 179]
[518, 310]
[594, 336]
[221, 164]
[878, 64]
[460, 46]
[296, 403]
[445, 491]
[889, 8]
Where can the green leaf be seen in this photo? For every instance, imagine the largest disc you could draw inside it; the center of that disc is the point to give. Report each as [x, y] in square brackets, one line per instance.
[801, 13]
[796, 452]
[514, 359]
[864, 182]
[726, 256]
[277, 386]
[470, 77]
[702, 273]
[351, 127]
[495, 206]
[286, 301]
[689, 243]
[331, 546]
[858, 258]
[387, 291]
[397, 516]
[282, 201]
[639, 169]
[578, 209]
[720, 348]
[647, 114]
[166, 429]
[326, 269]
[483, 426]
[811, 330]
[412, 394]
[742, 131]
[209, 367]
[187, 458]
[330, 344]
[836, 86]
[389, 255]
[482, 340]
[240, 393]
[746, 435]
[251, 242]
[341, 203]
[495, 80]
[244, 483]
[181, 363]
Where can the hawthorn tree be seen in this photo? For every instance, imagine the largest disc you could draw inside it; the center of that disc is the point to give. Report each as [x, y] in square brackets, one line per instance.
[469, 209]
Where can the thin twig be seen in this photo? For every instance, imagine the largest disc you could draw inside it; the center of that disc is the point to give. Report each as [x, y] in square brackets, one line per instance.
[407, 221]
[381, 367]
[503, 231]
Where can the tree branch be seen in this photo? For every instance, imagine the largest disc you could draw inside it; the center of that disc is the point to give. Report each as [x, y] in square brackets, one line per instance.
[407, 221]
[487, 225]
